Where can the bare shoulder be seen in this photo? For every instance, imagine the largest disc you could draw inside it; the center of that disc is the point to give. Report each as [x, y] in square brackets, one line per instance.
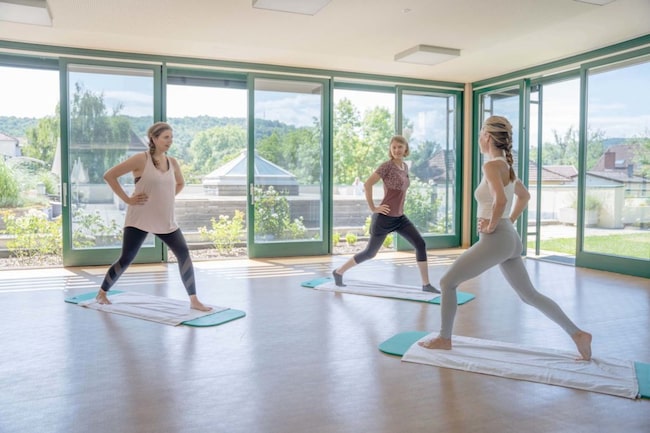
[174, 162]
[137, 161]
[492, 168]
[520, 190]
[134, 164]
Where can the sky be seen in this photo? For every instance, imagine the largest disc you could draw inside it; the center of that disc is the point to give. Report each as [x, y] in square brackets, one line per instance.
[617, 103]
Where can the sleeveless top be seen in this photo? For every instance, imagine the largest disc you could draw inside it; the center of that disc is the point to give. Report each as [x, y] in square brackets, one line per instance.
[485, 200]
[396, 182]
[157, 214]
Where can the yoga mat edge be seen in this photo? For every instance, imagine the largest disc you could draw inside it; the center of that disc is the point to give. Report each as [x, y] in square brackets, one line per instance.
[87, 296]
[400, 343]
[643, 378]
[216, 318]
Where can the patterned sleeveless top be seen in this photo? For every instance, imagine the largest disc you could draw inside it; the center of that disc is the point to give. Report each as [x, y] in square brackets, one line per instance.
[396, 182]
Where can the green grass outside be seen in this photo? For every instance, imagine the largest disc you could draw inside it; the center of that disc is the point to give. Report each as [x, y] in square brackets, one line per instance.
[635, 245]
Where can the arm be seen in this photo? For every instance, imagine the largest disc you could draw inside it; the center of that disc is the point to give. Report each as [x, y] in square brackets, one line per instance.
[521, 202]
[178, 174]
[135, 165]
[493, 178]
[367, 186]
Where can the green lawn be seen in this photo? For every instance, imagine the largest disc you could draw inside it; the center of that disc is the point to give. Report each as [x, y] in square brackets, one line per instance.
[629, 245]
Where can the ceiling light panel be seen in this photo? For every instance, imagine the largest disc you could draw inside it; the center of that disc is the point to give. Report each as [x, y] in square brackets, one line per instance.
[304, 7]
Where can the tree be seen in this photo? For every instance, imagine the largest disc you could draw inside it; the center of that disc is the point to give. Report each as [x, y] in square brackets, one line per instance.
[347, 130]
[564, 149]
[99, 140]
[215, 146]
[42, 139]
[297, 151]
[359, 146]
[642, 155]
[421, 160]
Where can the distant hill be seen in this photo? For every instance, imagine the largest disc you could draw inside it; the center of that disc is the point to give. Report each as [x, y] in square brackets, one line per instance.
[185, 128]
[16, 126]
[609, 142]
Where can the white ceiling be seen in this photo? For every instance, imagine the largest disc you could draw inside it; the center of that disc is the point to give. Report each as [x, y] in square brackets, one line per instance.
[495, 36]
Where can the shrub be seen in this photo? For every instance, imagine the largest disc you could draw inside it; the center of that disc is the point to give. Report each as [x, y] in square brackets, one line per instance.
[273, 216]
[9, 189]
[225, 232]
[351, 238]
[296, 229]
[336, 238]
[89, 228]
[33, 235]
[421, 206]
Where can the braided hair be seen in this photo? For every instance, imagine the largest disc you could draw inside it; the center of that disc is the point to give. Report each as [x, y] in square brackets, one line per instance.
[500, 129]
[153, 132]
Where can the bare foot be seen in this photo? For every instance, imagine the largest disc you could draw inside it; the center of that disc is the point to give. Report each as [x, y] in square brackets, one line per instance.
[102, 298]
[583, 343]
[195, 304]
[436, 343]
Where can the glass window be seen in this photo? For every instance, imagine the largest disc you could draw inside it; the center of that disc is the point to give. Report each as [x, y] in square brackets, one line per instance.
[110, 110]
[554, 136]
[288, 166]
[429, 122]
[617, 197]
[30, 199]
[209, 121]
[364, 122]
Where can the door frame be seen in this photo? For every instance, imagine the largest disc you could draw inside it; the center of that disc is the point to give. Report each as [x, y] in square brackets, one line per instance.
[104, 255]
[310, 247]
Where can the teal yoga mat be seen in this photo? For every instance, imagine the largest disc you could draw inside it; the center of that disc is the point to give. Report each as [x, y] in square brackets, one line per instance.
[399, 344]
[213, 319]
[462, 297]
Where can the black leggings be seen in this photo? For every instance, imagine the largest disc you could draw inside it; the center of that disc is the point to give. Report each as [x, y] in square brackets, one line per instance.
[381, 226]
[131, 243]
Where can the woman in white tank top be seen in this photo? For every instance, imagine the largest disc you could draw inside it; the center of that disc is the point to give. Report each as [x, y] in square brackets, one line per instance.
[501, 199]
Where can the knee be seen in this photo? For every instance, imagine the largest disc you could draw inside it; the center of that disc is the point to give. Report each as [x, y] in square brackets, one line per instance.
[446, 283]
[530, 298]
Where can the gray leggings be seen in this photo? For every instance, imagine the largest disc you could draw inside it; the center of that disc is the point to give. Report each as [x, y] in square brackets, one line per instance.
[503, 247]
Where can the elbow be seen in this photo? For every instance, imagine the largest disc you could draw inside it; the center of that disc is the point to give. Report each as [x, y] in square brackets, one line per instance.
[500, 203]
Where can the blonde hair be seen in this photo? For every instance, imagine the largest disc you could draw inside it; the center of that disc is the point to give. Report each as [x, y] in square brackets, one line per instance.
[500, 129]
[399, 139]
[154, 131]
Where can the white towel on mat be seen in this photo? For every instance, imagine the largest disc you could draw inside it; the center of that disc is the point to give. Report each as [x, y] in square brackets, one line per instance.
[382, 290]
[155, 308]
[555, 367]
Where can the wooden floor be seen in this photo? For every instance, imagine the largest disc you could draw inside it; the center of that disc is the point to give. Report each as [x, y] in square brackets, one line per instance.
[302, 360]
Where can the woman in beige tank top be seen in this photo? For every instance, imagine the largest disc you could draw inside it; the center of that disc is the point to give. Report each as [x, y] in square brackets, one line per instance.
[158, 178]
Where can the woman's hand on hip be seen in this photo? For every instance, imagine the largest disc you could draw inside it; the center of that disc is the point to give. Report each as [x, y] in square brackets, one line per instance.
[382, 209]
[138, 199]
[483, 225]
